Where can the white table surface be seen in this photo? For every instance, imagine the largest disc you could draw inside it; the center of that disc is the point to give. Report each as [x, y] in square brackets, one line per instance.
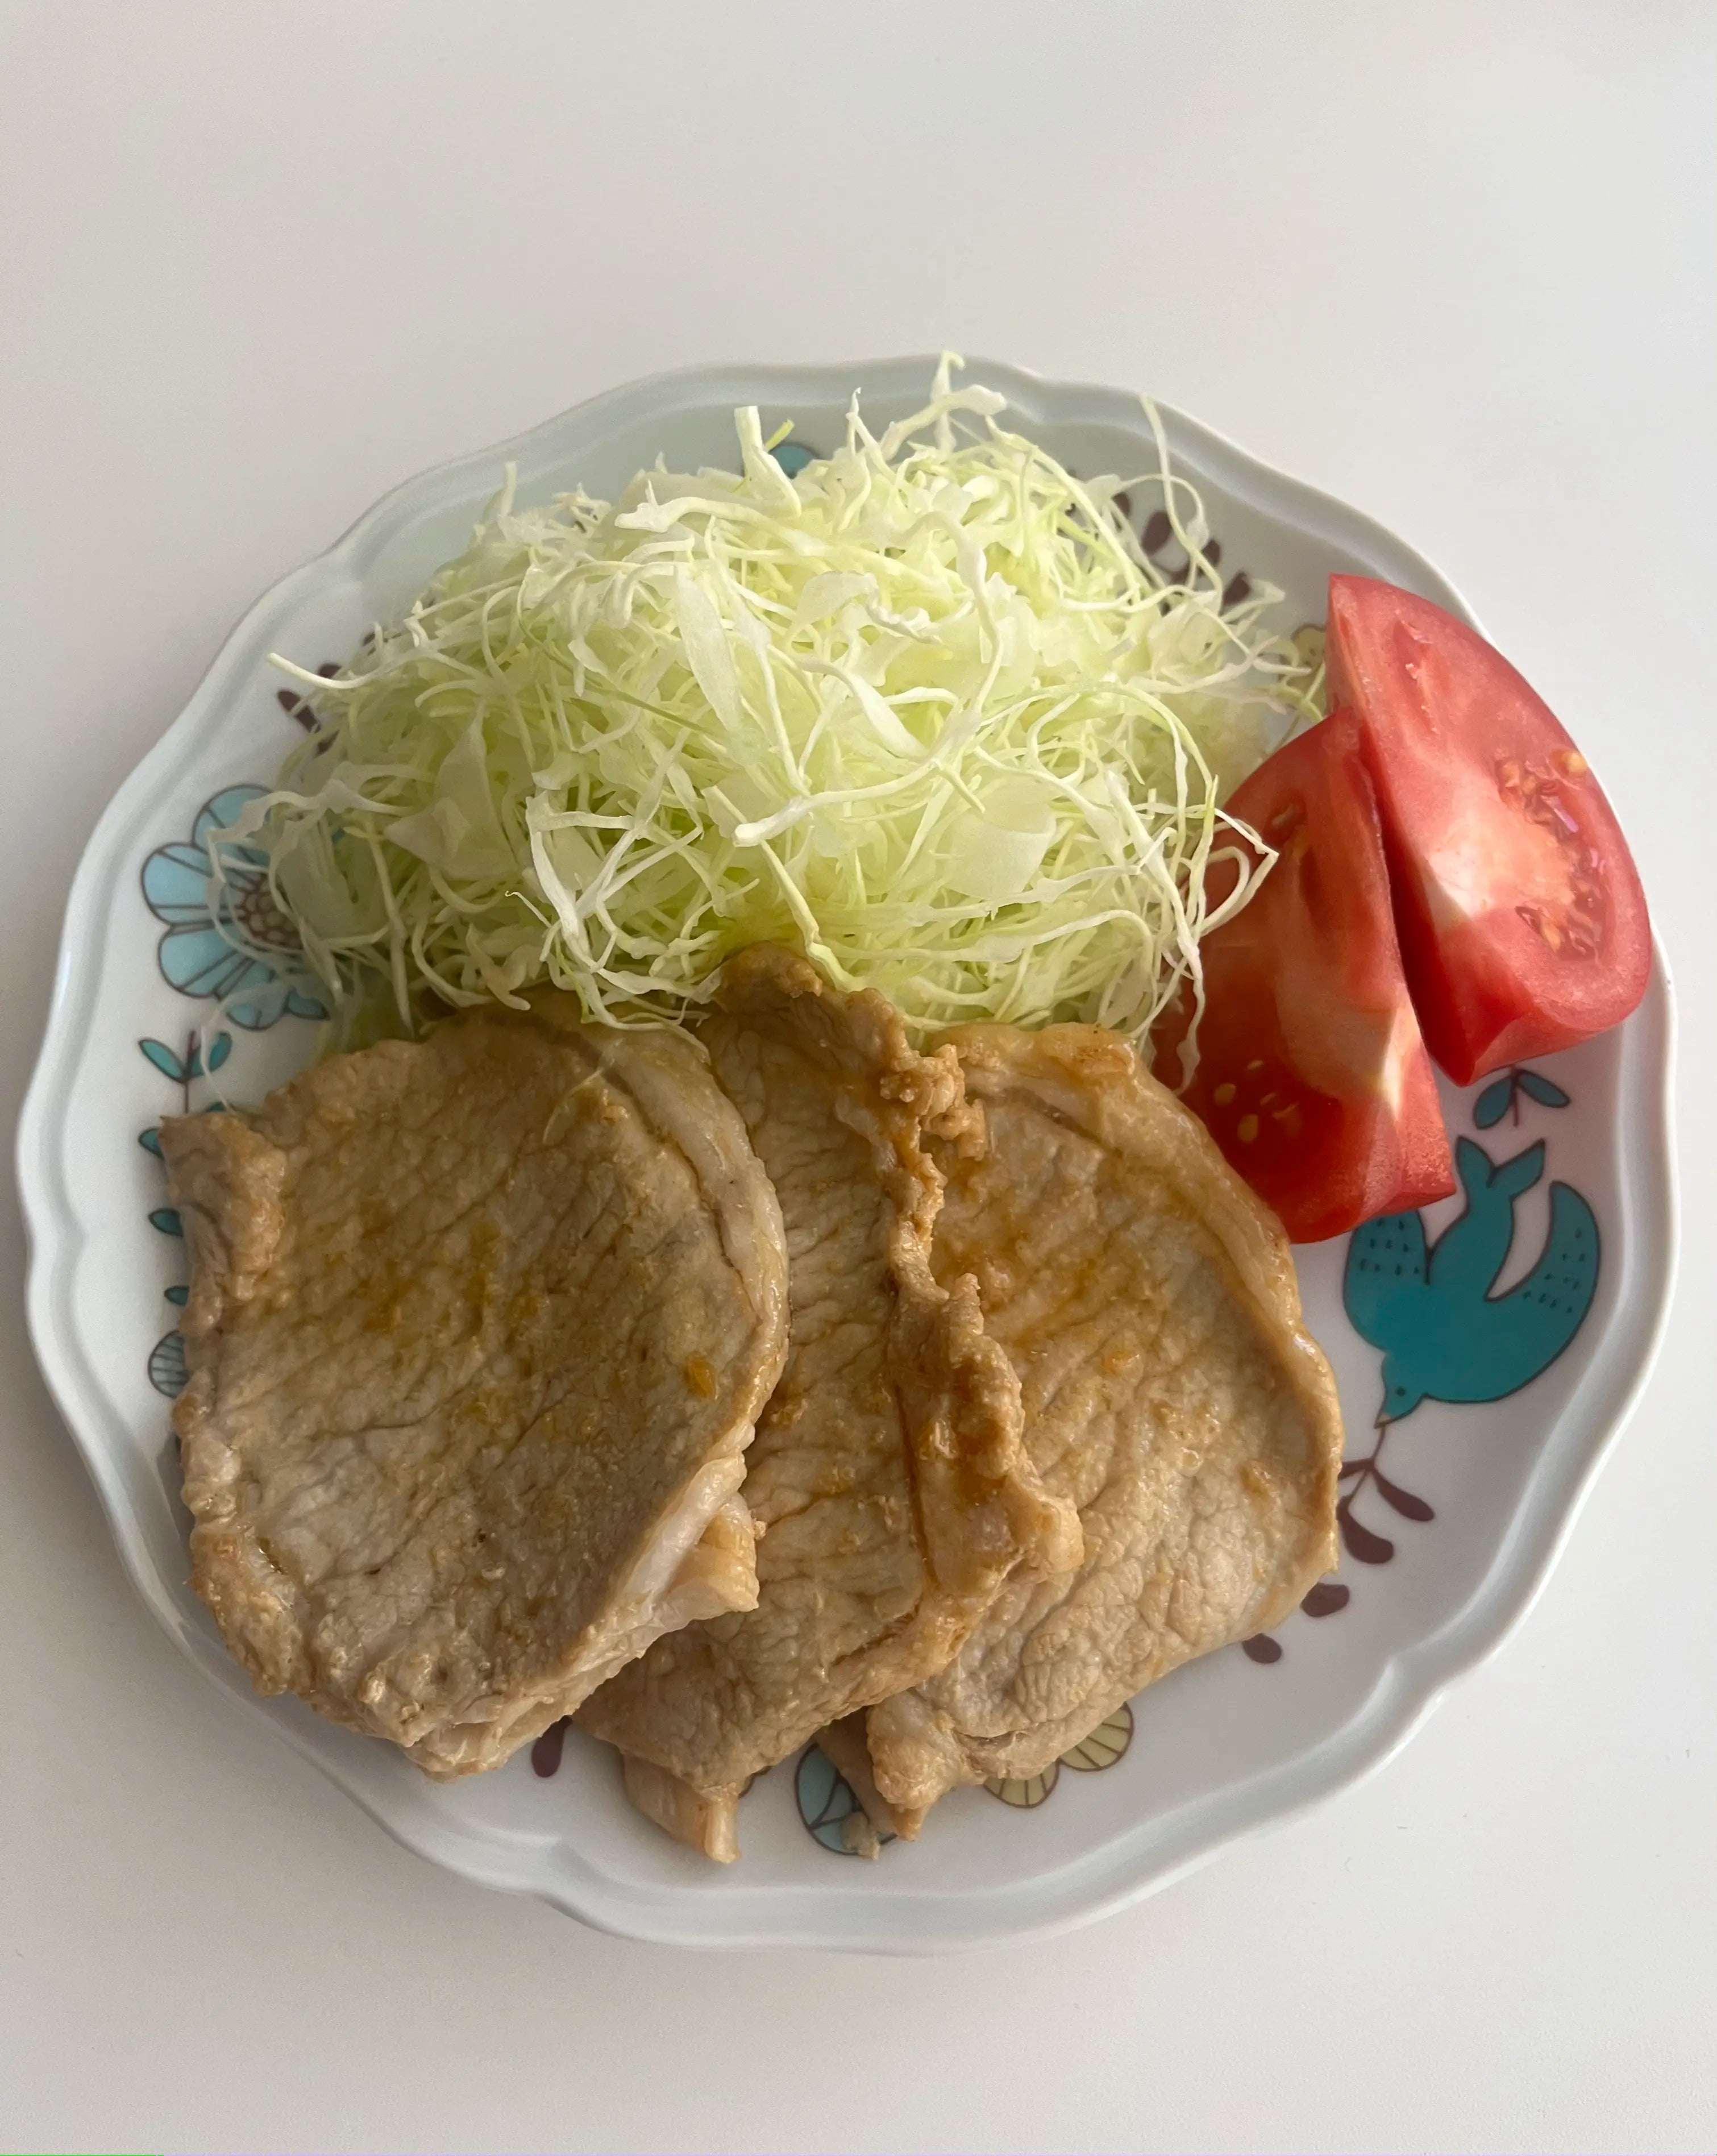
[1453, 262]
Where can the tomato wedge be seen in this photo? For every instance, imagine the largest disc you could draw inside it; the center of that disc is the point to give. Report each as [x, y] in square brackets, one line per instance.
[1522, 926]
[1312, 1076]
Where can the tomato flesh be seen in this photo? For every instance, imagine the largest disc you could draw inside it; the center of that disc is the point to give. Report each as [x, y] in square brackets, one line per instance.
[1311, 1074]
[1522, 923]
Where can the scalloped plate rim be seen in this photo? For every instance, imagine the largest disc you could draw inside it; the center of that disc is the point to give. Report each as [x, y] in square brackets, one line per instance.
[1101, 1880]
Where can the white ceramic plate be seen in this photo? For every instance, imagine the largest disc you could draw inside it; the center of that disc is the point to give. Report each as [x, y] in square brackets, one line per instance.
[1448, 1535]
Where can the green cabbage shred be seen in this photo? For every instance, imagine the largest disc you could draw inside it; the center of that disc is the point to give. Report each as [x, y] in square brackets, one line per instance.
[924, 710]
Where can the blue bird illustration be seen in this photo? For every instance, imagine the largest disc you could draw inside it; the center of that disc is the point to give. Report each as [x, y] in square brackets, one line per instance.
[1443, 1334]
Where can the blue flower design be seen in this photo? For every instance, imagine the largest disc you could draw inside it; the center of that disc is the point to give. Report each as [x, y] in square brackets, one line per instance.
[198, 954]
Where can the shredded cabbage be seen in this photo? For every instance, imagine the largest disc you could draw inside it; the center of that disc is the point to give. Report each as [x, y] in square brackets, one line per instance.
[923, 710]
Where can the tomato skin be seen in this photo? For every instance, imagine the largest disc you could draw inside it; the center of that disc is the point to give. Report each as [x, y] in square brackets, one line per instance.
[1522, 922]
[1312, 1076]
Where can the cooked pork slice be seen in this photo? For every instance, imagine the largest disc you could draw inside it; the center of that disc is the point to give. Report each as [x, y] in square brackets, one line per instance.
[847, 1745]
[890, 1489]
[709, 1824]
[1148, 1301]
[479, 1330]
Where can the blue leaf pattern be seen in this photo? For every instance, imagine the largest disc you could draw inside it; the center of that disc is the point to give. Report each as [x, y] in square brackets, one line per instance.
[1544, 1091]
[166, 1061]
[1493, 1103]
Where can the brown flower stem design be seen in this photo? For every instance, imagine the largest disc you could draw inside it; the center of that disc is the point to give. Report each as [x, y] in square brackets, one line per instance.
[546, 1753]
[1323, 1600]
[298, 706]
[1363, 1542]
[1158, 538]
[202, 1059]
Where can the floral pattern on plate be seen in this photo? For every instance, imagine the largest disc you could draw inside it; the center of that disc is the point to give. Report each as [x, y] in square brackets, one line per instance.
[204, 911]
[207, 891]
